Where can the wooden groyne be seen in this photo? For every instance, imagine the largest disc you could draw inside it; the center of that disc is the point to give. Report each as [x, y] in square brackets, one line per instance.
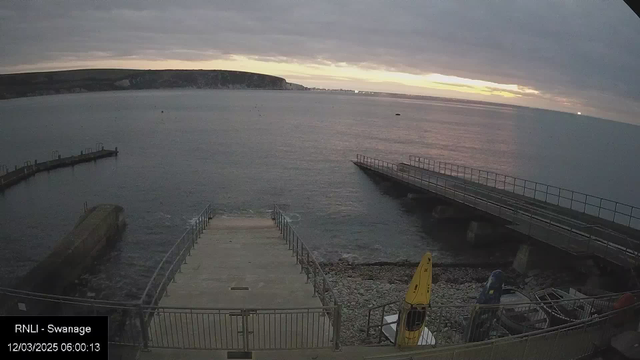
[10, 178]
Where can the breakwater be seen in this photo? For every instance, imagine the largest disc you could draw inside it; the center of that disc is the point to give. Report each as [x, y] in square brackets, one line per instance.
[9, 177]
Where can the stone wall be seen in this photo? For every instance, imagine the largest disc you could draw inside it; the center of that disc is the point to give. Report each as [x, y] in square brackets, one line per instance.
[70, 257]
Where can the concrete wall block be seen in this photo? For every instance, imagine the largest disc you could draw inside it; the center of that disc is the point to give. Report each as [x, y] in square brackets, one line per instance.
[541, 257]
[522, 262]
[484, 233]
[71, 255]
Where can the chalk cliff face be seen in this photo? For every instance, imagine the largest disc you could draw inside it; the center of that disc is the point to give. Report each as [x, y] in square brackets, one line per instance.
[75, 81]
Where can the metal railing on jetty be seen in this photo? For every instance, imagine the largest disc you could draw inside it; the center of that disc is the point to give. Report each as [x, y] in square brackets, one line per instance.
[125, 318]
[176, 256]
[611, 210]
[128, 320]
[570, 235]
[313, 271]
[9, 178]
[146, 324]
[304, 257]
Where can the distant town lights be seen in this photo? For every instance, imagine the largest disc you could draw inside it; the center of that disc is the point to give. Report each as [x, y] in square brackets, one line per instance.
[579, 113]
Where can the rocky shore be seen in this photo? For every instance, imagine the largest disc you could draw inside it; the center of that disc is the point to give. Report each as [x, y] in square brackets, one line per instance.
[362, 286]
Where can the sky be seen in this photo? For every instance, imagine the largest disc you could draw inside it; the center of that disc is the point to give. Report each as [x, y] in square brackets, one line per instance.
[568, 55]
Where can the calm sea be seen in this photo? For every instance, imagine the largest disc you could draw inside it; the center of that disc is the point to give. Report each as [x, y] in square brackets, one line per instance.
[242, 151]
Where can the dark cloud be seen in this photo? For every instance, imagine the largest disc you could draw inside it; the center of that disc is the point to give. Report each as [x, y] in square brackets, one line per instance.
[562, 48]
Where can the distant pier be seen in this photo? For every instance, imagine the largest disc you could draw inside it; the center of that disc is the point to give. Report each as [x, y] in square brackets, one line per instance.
[10, 178]
[578, 223]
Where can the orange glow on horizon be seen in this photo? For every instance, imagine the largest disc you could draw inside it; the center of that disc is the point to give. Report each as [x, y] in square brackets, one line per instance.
[325, 74]
[280, 67]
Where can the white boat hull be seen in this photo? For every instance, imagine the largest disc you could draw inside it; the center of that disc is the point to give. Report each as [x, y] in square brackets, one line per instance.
[389, 330]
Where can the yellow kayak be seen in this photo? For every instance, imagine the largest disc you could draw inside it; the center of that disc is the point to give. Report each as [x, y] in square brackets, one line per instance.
[413, 313]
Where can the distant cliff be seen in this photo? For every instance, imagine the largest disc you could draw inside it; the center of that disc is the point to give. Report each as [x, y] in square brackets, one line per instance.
[77, 81]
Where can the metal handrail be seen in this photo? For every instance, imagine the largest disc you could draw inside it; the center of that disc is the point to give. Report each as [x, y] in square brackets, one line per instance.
[245, 329]
[184, 244]
[586, 299]
[480, 320]
[556, 329]
[87, 301]
[132, 323]
[28, 166]
[66, 299]
[310, 266]
[135, 320]
[543, 189]
[447, 187]
[442, 168]
[595, 297]
[289, 235]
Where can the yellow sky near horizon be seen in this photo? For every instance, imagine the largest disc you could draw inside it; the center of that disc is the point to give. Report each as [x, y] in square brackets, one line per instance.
[340, 75]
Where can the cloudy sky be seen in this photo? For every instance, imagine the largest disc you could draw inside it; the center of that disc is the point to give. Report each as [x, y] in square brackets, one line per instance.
[569, 55]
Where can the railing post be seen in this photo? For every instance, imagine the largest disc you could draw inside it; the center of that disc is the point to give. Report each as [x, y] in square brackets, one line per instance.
[571, 204]
[336, 326]
[526, 346]
[493, 346]
[382, 324]
[584, 330]
[143, 329]
[324, 294]
[306, 264]
[245, 329]
[368, 322]
[296, 250]
[301, 260]
[292, 246]
[599, 207]
[315, 282]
